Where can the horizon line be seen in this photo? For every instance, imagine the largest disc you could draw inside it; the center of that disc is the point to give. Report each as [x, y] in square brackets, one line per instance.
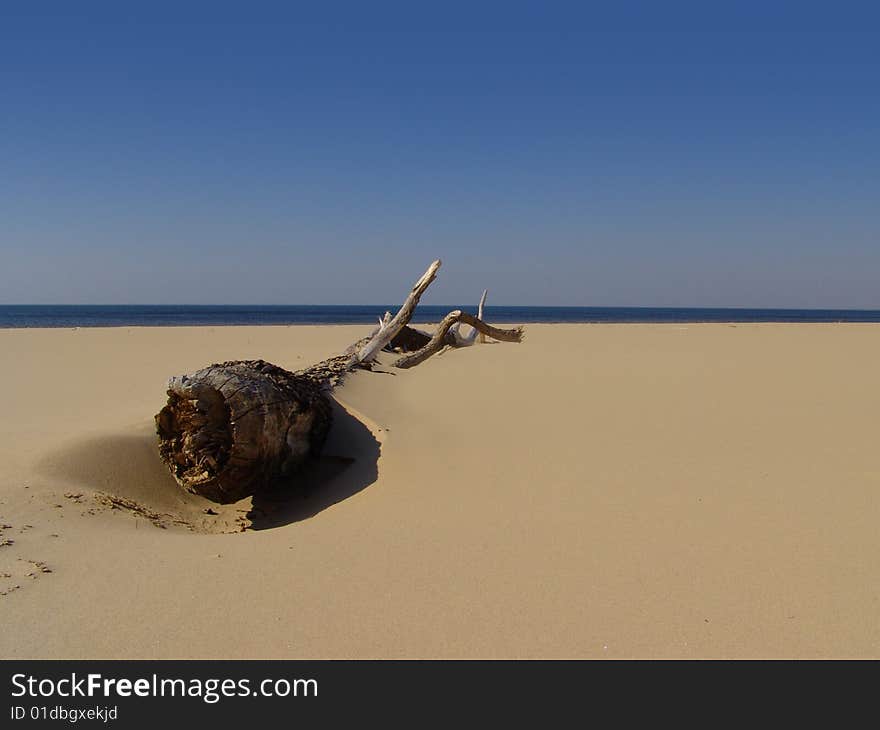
[488, 306]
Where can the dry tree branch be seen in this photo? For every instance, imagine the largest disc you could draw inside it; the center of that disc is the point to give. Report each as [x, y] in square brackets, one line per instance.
[387, 332]
[460, 340]
[438, 341]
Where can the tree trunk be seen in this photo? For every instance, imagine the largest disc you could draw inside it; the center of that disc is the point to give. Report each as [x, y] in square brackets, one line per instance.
[230, 429]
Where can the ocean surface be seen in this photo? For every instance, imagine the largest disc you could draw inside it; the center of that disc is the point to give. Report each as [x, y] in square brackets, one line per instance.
[178, 315]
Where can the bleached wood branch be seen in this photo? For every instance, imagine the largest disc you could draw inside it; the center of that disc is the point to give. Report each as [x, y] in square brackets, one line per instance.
[438, 341]
[480, 314]
[385, 334]
[460, 340]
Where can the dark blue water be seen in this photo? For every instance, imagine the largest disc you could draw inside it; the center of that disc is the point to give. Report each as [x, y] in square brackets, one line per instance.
[160, 315]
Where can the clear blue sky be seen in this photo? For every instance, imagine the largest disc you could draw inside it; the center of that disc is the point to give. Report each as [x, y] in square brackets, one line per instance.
[709, 154]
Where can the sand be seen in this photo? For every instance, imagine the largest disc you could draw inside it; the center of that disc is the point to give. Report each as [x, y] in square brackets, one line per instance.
[598, 491]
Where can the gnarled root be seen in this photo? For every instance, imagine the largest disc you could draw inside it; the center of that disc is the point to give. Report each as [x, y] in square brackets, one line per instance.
[439, 340]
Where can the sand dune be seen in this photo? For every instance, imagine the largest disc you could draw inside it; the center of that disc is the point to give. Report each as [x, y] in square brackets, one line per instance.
[597, 491]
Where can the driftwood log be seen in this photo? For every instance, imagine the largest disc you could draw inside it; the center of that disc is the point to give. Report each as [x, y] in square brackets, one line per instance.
[233, 428]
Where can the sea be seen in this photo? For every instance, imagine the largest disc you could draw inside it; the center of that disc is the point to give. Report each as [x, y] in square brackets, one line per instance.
[50, 315]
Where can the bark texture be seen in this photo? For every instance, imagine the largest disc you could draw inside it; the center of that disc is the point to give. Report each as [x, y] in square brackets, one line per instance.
[230, 429]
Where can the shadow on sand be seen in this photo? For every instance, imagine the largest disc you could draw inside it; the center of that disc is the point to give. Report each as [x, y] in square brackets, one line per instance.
[325, 481]
[129, 466]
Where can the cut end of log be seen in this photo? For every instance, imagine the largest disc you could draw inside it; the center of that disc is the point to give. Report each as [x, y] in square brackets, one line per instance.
[195, 437]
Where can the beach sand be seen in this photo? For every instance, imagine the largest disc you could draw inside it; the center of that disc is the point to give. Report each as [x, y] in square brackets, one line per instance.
[653, 490]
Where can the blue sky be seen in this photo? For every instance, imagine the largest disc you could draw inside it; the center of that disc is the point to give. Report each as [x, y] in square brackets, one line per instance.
[659, 154]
